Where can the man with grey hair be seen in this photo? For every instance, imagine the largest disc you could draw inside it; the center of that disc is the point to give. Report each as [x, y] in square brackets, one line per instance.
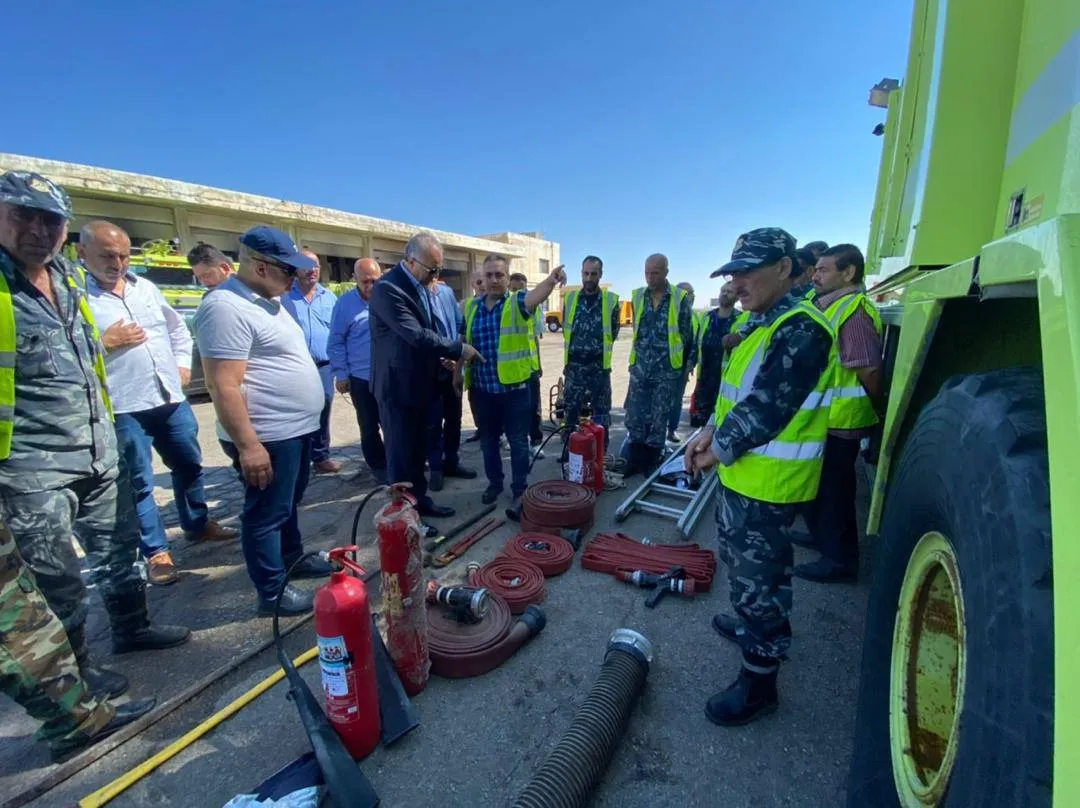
[406, 349]
[268, 397]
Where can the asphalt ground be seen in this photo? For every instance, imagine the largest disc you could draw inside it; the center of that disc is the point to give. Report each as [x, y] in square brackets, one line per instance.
[480, 738]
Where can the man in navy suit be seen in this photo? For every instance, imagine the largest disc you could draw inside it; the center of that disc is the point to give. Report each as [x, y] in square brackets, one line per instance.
[406, 349]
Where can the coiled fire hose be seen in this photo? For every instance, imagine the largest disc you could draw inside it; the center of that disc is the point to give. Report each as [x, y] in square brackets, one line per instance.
[460, 649]
[551, 554]
[520, 583]
[615, 552]
[557, 504]
[575, 765]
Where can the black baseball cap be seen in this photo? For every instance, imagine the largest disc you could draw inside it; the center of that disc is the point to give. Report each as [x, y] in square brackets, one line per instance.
[28, 189]
[278, 245]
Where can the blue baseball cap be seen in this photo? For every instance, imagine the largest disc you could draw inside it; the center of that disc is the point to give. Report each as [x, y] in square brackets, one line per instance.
[278, 245]
[758, 248]
[28, 189]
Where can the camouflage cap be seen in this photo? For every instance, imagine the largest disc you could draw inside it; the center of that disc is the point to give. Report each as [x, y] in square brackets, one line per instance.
[758, 248]
[27, 189]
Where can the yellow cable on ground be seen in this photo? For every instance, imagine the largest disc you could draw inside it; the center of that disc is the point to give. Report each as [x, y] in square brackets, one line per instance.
[132, 776]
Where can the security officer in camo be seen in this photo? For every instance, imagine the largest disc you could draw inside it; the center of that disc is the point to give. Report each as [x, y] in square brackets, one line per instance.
[60, 473]
[663, 342]
[771, 419]
[39, 671]
[590, 328]
[715, 324]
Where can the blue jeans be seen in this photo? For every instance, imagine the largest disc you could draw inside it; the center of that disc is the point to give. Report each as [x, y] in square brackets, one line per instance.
[269, 526]
[173, 431]
[507, 412]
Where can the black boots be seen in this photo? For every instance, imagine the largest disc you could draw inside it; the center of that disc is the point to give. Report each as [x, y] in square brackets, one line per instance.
[131, 628]
[103, 683]
[751, 696]
[643, 459]
[125, 714]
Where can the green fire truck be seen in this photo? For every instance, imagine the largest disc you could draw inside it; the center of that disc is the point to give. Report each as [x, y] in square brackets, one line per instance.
[970, 680]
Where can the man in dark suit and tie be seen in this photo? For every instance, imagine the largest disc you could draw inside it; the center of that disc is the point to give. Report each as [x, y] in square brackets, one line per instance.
[406, 350]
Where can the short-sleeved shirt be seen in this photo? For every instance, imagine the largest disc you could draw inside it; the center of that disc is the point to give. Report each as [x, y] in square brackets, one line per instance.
[485, 336]
[281, 385]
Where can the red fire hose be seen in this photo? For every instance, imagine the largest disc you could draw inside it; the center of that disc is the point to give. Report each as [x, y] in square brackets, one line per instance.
[520, 583]
[459, 650]
[558, 503]
[611, 553]
[553, 555]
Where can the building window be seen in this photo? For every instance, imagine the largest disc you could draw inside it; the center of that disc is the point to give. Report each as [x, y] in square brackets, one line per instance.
[545, 267]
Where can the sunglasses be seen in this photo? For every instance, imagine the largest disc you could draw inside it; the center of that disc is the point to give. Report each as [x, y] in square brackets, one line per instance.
[288, 270]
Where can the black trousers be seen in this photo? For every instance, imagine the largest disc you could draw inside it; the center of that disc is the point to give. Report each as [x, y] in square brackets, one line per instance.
[831, 517]
[367, 418]
[405, 430]
[444, 427]
[476, 419]
[535, 433]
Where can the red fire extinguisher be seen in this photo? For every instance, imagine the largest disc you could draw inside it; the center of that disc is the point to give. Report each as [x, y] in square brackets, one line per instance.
[586, 455]
[598, 433]
[347, 656]
[404, 606]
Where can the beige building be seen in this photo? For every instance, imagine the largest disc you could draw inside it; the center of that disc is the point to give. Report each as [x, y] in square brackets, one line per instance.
[152, 208]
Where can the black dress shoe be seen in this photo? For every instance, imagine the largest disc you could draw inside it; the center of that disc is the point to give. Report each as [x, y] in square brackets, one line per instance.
[473, 438]
[429, 531]
[461, 472]
[104, 683]
[293, 601]
[513, 513]
[749, 697]
[150, 638]
[728, 626]
[435, 511]
[824, 571]
[802, 539]
[311, 567]
[125, 714]
[491, 493]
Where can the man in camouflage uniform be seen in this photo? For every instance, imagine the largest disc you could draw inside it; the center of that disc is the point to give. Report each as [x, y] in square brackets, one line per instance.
[773, 412]
[657, 358]
[59, 469]
[39, 671]
[585, 379]
[687, 368]
[715, 325]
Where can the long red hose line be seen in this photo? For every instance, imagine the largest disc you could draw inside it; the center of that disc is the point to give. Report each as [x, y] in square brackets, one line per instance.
[611, 552]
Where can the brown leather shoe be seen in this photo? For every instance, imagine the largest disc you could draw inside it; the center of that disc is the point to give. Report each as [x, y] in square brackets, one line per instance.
[212, 532]
[327, 467]
[161, 571]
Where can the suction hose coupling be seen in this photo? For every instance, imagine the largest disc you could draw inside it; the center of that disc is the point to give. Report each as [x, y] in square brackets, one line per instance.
[574, 767]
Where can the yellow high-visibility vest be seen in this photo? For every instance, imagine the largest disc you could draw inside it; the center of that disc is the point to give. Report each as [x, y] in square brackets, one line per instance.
[534, 342]
[609, 302]
[674, 337]
[515, 353]
[8, 347]
[787, 469]
[851, 406]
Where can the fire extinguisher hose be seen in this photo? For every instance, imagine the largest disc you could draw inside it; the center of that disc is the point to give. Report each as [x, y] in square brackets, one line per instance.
[558, 503]
[520, 583]
[610, 552]
[551, 554]
[460, 650]
[574, 767]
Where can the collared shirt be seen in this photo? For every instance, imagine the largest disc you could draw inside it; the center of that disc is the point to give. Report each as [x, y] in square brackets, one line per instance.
[313, 317]
[858, 344]
[421, 292]
[485, 333]
[62, 430]
[281, 383]
[142, 377]
[651, 337]
[349, 346]
[446, 310]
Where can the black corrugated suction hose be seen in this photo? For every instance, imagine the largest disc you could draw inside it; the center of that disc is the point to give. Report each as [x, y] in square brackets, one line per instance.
[574, 767]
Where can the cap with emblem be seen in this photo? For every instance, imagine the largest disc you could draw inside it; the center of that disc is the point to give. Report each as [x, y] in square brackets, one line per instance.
[758, 248]
[26, 189]
[276, 245]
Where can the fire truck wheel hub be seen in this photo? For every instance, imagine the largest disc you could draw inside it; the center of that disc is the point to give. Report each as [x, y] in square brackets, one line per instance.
[928, 673]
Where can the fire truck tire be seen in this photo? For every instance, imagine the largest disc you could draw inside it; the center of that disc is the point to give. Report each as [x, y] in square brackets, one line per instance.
[965, 552]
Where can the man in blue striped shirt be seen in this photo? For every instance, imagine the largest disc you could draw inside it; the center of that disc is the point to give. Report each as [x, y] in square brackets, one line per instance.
[349, 350]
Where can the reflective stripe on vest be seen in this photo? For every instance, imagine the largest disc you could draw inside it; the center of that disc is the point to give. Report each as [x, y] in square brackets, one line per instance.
[851, 407]
[674, 336]
[787, 469]
[534, 342]
[609, 302]
[514, 351]
[8, 346]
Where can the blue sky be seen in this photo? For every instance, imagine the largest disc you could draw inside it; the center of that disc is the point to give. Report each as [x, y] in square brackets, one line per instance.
[619, 129]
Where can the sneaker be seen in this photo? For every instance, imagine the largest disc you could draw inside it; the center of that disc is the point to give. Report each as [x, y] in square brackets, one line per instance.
[311, 567]
[160, 569]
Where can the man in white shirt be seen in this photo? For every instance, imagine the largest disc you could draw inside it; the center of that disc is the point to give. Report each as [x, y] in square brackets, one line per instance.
[148, 362]
[268, 397]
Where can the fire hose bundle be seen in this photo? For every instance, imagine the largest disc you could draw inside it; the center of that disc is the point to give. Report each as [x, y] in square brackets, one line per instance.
[520, 583]
[550, 554]
[622, 556]
[553, 505]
